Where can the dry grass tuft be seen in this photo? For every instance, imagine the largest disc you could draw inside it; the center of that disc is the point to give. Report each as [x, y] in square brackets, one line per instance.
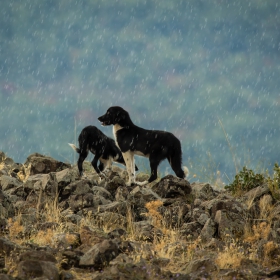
[231, 257]
[15, 228]
[157, 218]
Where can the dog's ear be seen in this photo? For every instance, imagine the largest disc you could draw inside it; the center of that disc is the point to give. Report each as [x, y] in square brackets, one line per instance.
[123, 119]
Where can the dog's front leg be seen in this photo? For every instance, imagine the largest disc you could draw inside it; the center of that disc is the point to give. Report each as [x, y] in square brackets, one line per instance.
[129, 162]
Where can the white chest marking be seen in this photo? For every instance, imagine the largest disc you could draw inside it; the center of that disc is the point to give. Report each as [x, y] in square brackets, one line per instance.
[116, 128]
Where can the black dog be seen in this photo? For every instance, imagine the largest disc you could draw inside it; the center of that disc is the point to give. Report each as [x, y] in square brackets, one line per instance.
[103, 147]
[153, 144]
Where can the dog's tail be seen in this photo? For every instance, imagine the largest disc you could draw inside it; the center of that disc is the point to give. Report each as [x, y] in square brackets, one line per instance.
[74, 148]
[186, 171]
[175, 160]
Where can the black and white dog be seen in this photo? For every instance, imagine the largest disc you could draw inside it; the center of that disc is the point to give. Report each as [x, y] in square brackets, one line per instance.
[103, 148]
[154, 144]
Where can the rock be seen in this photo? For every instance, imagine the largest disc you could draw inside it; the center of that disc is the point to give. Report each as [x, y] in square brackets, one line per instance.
[201, 268]
[208, 231]
[111, 220]
[174, 213]
[114, 184]
[40, 164]
[30, 269]
[42, 182]
[7, 183]
[255, 193]
[66, 176]
[228, 213]
[6, 247]
[7, 209]
[70, 258]
[140, 196]
[229, 224]
[203, 191]
[66, 275]
[99, 191]
[191, 230]
[117, 233]
[170, 186]
[92, 236]
[116, 206]
[37, 256]
[100, 255]
[121, 194]
[144, 231]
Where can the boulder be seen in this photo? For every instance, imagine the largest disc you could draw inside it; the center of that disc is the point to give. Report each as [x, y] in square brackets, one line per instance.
[203, 191]
[41, 164]
[170, 186]
[100, 255]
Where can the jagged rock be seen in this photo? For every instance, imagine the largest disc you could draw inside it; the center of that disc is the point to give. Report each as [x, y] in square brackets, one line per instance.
[229, 224]
[140, 196]
[67, 240]
[255, 194]
[201, 268]
[6, 247]
[66, 275]
[38, 256]
[42, 182]
[41, 164]
[7, 183]
[121, 194]
[115, 206]
[170, 186]
[100, 255]
[197, 214]
[88, 200]
[114, 184]
[191, 230]
[91, 236]
[30, 269]
[100, 191]
[143, 230]
[70, 258]
[8, 161]
[79, 187]
[208, 230]
[66, 176]
[7, 209]
[203, 191]
[111, 220]
[174, 212]
[117, 233]
[37, 264]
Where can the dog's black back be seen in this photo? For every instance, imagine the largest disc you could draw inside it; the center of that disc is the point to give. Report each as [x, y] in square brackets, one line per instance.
[103, 147]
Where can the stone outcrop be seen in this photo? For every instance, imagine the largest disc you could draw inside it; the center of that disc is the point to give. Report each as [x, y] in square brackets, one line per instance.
[56, 225]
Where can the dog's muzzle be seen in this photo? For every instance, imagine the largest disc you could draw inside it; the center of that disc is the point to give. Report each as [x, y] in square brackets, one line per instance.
[104, 122]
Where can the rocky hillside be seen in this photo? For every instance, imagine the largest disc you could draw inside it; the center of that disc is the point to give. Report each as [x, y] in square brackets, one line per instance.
[55, 225]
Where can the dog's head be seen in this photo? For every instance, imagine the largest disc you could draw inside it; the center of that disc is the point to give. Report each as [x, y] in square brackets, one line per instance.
[115, 115]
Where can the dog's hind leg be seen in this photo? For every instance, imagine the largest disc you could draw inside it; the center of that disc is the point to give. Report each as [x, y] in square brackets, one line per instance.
[94, 165]
[175, 163]
[130, 167]
[82, 157]
[154, 163]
